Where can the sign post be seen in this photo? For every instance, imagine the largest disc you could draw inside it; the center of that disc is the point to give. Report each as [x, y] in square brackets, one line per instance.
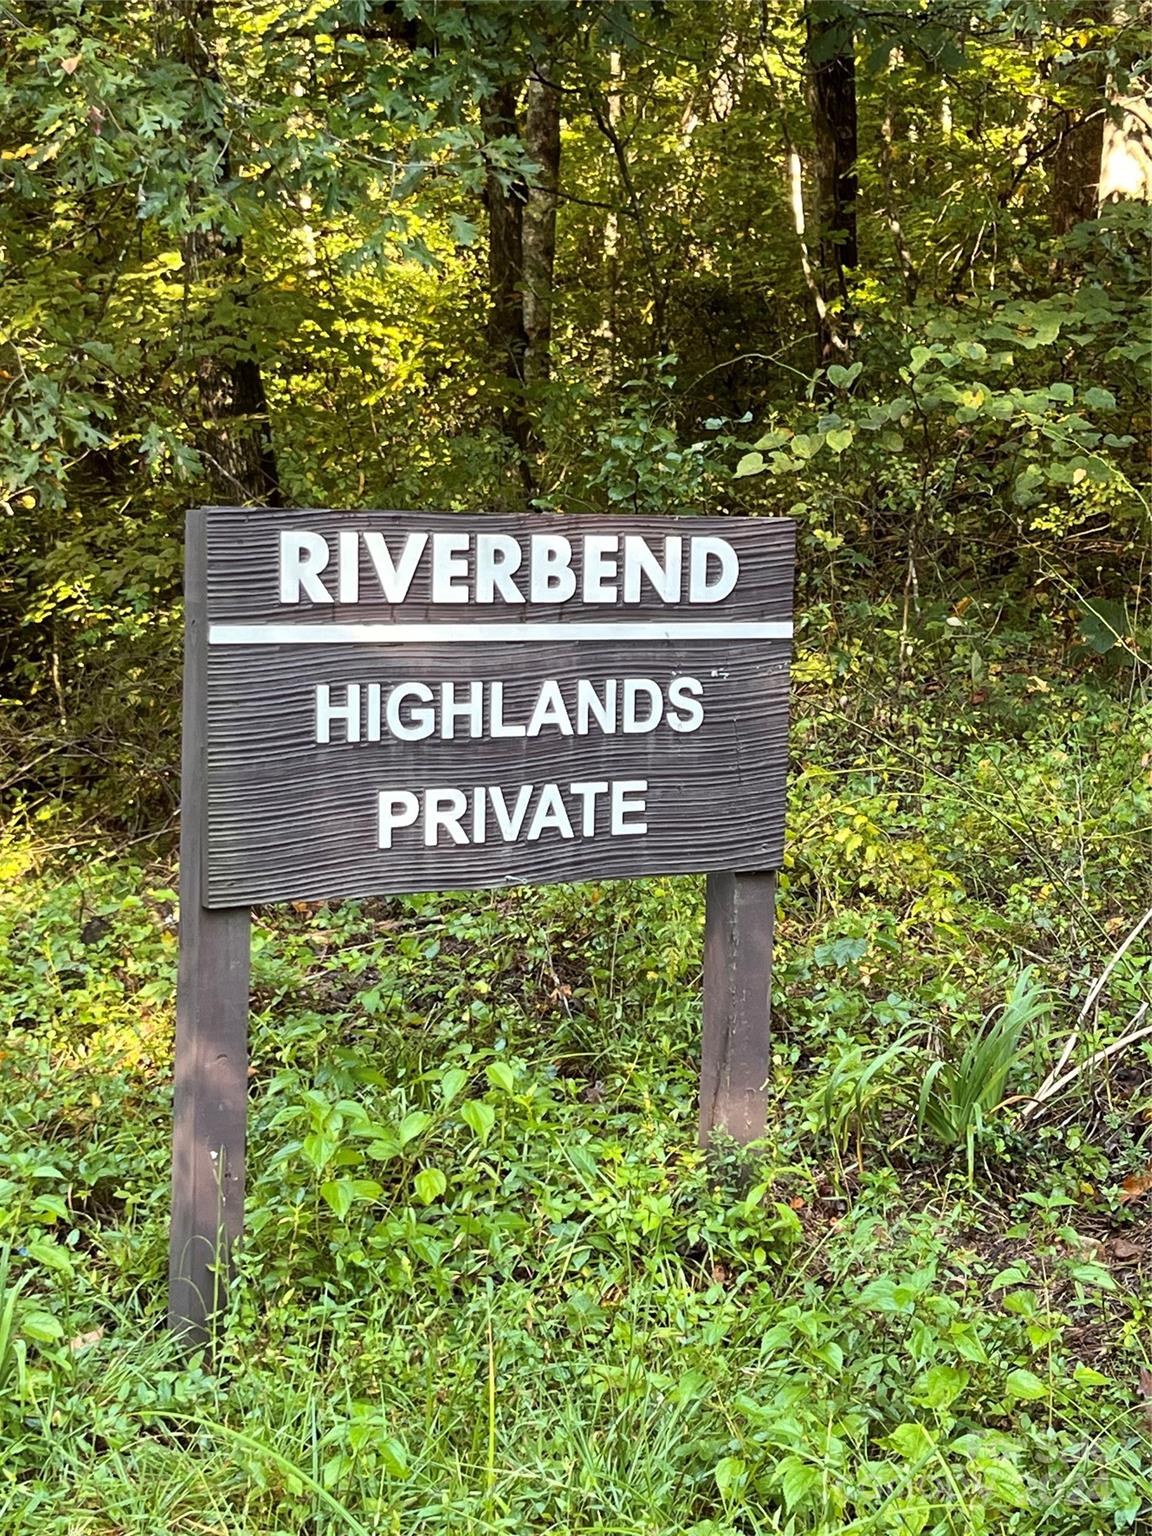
[211, 1068]
[386, 702]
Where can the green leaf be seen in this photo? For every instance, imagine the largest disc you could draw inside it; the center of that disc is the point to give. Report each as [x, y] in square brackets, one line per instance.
[1099, 399]
[393, 1457]
[731, 1474]
[501, 1076]
[804, 445]
[1025, 1385]
[1015, 1274]
[412, 1125]
[1025, 491]
[51, 1254]
[941, 1385]
[51, 1205]
[1094, 1274]
[41, 1326]
[883, 1295]
[912, 1440]
[750, 464]
[1061, 393]
[842, 377]
[1103, 624]
[463, 230]
[480, 1116]
[342, 1194]
[452, 1084]
[839, 438]
[797, 1479]
[430, 1184]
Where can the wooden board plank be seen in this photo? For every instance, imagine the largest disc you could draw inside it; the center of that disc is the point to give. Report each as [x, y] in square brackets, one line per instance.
[211, 1066]
[736, 1055]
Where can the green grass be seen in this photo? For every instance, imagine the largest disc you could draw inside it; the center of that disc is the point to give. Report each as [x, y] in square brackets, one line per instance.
[490, 1284]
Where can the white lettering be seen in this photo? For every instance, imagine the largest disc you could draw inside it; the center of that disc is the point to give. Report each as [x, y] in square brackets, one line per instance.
[450, 567]
[551, 580]
[302, 557]
[398, 808]
[326, 712]
[589, 704]
[550, 710]
[497, 728]
[550, 812]
[600, 567]
[621, 805]
[444, 808]
[452, 710]
[510, 825]
[479, 815]
[372, 729]
[587, 793]
[498, 555]
[420, 723]
[395, 579]
[640, 561]
[704, 550]
[630, 722]
[685, 693]
[348, 581]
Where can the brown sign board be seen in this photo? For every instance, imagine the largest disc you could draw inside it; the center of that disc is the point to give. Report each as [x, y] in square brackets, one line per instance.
[380, 702]
[404, 701]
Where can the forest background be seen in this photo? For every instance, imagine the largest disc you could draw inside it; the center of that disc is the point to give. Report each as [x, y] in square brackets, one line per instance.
[883, 268]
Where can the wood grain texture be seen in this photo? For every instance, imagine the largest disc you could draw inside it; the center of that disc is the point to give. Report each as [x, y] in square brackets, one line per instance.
[289, 818]
[736, 1054]
[211, 1065]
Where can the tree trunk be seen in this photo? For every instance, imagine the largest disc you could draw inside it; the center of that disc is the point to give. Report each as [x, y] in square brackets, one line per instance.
[1074, 169]
[831, 86]
[1076, 164]
[542, 141]
[235, 438]
[507, 334]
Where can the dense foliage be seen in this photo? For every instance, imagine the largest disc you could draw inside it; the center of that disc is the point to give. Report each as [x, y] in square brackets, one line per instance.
[838, 252]
[883, 268]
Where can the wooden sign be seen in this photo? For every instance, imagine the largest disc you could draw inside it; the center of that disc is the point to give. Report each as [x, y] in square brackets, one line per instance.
[411, 703]
[382, 702]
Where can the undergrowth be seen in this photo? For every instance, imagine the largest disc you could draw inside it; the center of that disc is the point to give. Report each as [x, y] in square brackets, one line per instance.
[491, 1284]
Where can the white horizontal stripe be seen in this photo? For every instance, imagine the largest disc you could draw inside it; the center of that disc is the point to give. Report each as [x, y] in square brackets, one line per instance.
[440, 634]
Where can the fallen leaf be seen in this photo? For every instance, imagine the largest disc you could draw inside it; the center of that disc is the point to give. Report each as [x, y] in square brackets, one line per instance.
[1090, 1248]
[86, 1340]
[1123, 1249]
[1135, 1185]
[69, 66]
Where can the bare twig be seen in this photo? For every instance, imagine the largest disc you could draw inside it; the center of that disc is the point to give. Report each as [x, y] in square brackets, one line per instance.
[1094, 992]
[1049, 1089]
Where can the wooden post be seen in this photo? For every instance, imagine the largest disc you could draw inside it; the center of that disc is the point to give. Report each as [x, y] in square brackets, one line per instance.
[736, 1058]
[211, 1069]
